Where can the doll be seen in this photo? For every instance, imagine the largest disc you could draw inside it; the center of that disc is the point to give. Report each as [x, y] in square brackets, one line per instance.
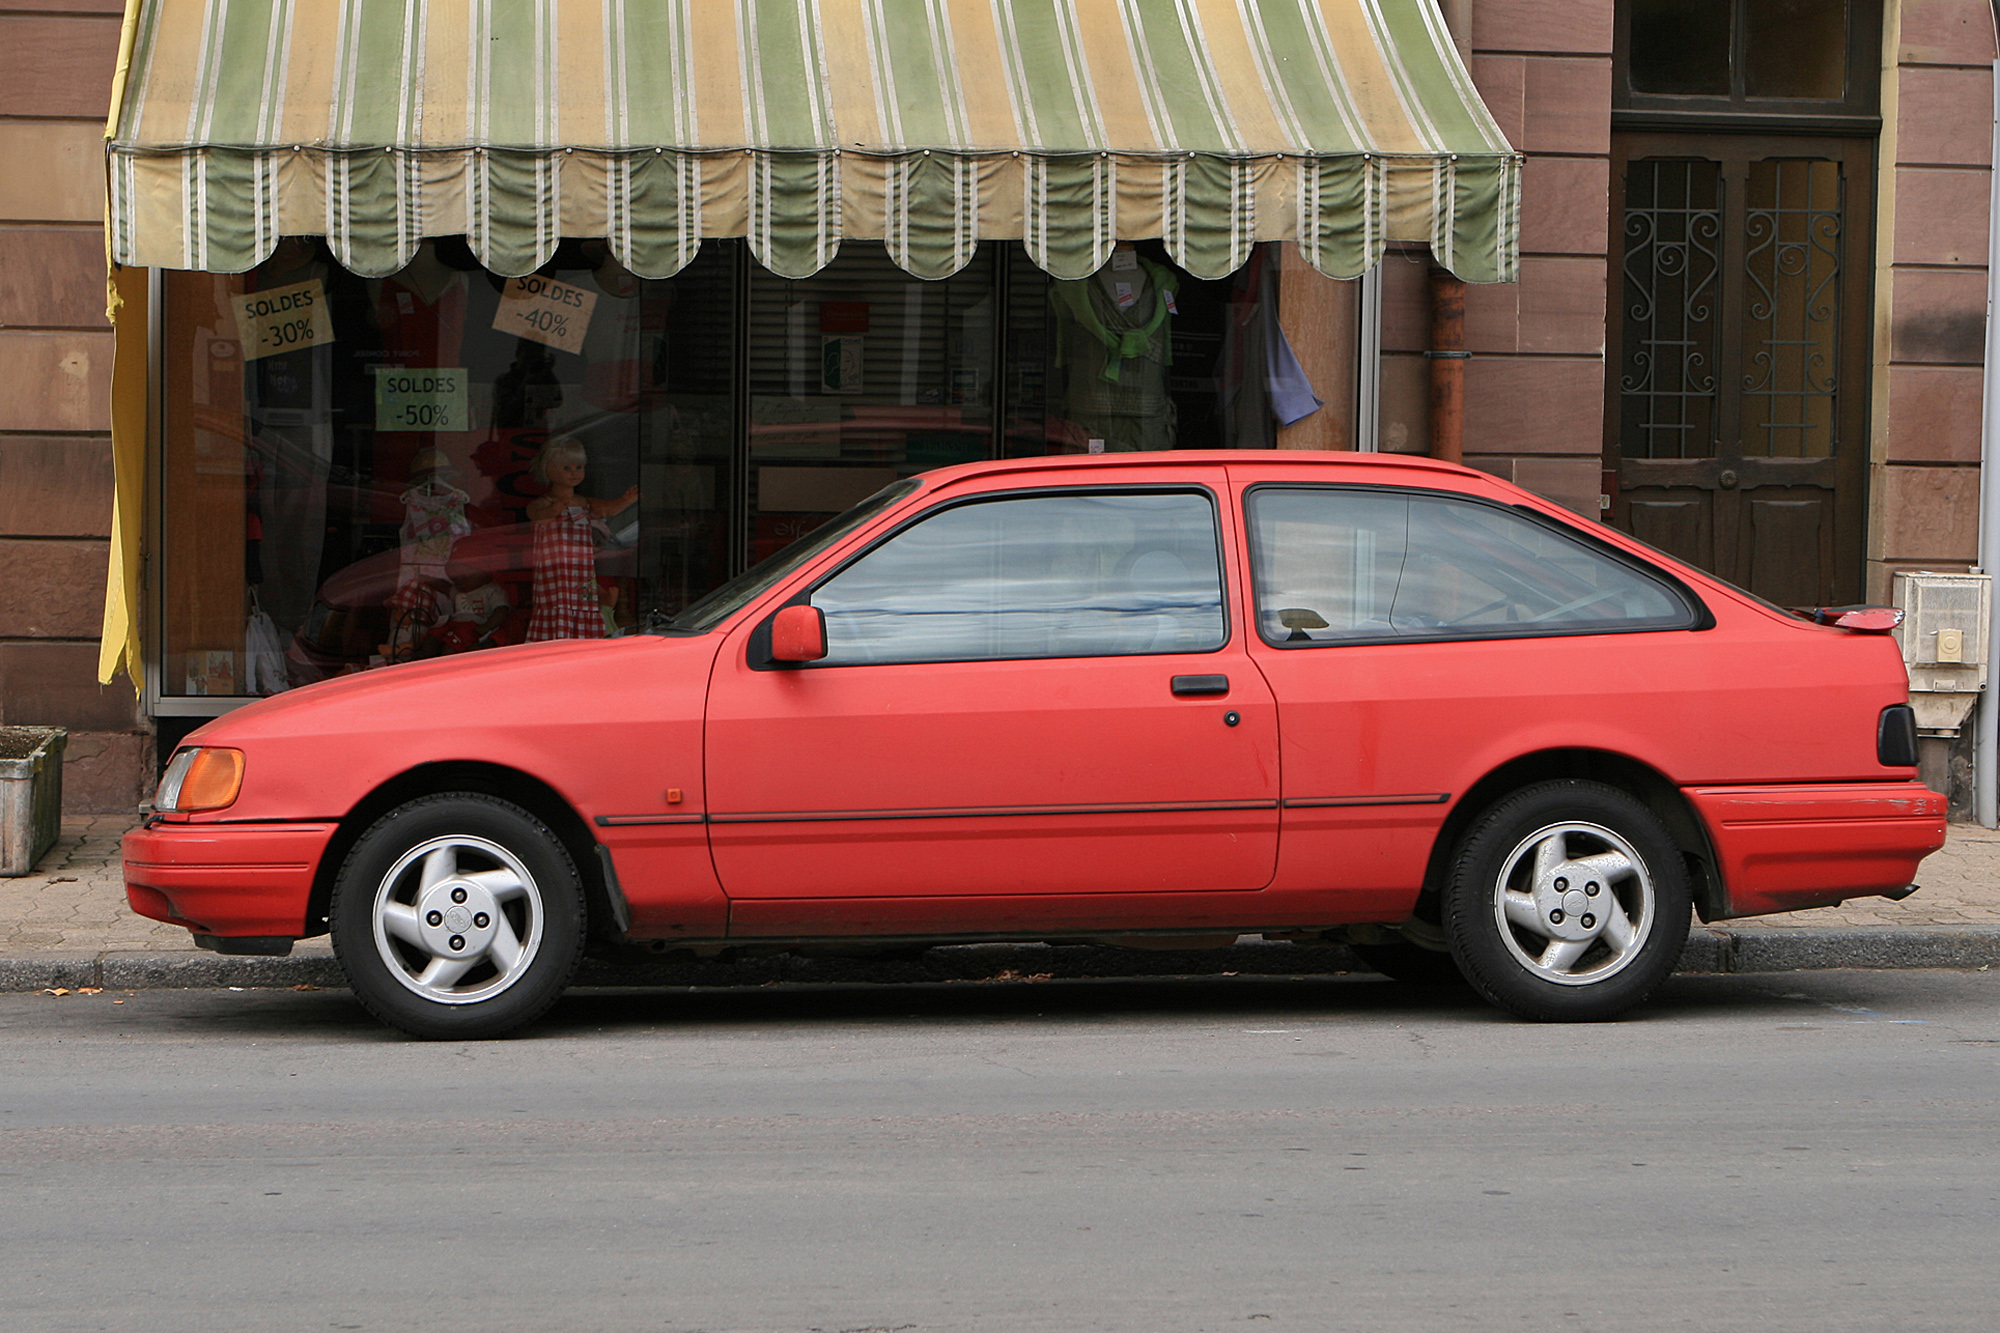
[563, 558]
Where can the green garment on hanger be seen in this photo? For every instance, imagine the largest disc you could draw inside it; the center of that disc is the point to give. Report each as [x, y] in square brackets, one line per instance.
[1124, 344]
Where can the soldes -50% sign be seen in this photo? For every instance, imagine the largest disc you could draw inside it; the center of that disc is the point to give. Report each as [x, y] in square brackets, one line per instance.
[419, 399]
[545, 311]
[283, 319]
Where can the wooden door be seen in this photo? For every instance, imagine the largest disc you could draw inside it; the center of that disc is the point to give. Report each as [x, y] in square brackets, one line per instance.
[1737, 355]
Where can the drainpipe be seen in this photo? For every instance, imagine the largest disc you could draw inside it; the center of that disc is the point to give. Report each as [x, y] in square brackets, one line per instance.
[1986, 738]
[1447, 365]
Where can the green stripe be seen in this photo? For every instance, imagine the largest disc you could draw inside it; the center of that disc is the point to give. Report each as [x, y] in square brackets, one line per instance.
[372, 84]
[1068, 213]
[1298, 61]
[1340, 227]
[519, 74]
[1050, 77]
[1441, 101]
[786, 100]
[232, 73]
[1182, 93]
[1215, 224]
[909, 41]
[656, 56]
[659, 196]
[932, 211]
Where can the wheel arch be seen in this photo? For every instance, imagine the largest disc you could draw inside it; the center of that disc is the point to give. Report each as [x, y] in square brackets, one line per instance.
[509, 784]
[1636, 778]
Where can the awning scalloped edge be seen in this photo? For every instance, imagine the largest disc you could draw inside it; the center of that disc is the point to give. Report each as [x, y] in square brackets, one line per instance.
[223, 209]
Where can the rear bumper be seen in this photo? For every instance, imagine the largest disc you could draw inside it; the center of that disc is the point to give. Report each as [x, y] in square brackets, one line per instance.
[1780, 849]
[225, 880]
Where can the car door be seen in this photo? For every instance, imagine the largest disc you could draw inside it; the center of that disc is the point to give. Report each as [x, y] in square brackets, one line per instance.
[1034, 707]
[1417, 640]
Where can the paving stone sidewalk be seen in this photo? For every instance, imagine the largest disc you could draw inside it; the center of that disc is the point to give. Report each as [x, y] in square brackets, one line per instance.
[69, 919]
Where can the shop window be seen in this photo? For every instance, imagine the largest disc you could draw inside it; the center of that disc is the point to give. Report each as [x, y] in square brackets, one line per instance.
[350, 464]
[1045, 576]
[358, 472]
[1333, 565]
[1143, 356]
[858, 375]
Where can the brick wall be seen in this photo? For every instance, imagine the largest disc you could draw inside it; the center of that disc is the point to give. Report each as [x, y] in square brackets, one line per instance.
[55, 383]
[1931, 282]
[1534, 405]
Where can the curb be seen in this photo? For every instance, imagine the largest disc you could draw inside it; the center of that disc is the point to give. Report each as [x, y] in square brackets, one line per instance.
[1709, 951]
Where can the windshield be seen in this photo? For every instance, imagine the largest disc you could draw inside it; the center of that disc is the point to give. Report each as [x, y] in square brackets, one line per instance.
[725, 601]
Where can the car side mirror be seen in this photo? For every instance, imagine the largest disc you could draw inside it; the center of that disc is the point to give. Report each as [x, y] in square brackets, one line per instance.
[798, 634]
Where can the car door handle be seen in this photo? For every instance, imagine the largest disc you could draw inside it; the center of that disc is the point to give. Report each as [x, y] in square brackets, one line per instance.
[1186, 686]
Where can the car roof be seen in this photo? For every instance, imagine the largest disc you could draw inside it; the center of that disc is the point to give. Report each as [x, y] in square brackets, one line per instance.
[1184, 458]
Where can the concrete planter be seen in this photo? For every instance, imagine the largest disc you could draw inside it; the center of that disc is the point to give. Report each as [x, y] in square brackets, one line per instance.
[31, 760]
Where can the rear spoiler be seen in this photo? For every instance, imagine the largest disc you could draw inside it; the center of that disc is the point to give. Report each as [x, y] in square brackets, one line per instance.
[1864, 619]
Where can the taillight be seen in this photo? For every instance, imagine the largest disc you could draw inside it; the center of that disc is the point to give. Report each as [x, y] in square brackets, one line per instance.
[201, 777]
[1896, 736]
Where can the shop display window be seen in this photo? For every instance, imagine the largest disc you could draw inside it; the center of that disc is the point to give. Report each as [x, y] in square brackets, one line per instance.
[357, 472]
[350, 465]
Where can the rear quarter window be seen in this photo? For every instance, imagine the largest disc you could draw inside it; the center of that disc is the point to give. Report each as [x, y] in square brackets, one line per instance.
[1333, 565]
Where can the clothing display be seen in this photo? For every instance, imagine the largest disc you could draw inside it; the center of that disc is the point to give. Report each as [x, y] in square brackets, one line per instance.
[1114, 338]
[1259, 382]
[564, 561]
[433, 520]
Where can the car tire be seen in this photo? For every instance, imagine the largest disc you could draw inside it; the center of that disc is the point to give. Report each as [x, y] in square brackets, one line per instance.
[1567, 901]
[1399, 960]
[458, 916]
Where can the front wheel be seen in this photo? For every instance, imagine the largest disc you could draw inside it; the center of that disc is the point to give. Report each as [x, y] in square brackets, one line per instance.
[458, 916]
[1567, 901]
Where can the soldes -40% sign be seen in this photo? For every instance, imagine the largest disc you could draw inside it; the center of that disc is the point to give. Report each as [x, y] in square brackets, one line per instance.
[545, 311]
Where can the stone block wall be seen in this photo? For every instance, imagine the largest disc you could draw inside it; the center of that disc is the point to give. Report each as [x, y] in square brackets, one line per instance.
[1934, 201]
[1534, 399]
[55, 389]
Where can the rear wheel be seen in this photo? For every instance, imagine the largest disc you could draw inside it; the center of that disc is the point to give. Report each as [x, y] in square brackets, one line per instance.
[1568, 901]
[458, 916]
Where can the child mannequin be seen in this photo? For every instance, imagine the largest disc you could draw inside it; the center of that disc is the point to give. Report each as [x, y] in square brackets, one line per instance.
[563, 558]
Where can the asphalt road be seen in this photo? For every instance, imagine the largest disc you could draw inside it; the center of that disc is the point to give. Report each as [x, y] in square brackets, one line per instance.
[1805, 1151]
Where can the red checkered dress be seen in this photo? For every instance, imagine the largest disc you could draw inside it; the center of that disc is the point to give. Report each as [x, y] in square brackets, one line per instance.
[565, 566]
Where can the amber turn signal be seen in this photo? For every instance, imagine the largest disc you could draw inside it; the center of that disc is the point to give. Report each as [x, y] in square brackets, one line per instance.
[204, 777]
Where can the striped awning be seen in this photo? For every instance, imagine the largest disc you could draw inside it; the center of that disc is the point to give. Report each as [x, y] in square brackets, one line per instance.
[930, 125]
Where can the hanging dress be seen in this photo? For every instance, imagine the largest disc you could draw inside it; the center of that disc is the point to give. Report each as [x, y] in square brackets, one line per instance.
[433, 521]
[564, 562]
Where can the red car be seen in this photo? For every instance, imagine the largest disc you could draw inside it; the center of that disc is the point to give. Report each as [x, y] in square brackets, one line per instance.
[1124, 698]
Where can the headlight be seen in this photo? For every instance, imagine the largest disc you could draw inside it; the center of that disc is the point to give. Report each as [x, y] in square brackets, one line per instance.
[200, 777]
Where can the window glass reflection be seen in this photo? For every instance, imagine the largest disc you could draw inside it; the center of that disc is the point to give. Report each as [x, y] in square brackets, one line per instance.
[1334, 565]
[1043, 576]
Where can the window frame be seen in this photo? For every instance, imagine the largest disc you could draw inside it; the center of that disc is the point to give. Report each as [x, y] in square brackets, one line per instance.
[1856, 111]
[758, 649]
[1698, 616]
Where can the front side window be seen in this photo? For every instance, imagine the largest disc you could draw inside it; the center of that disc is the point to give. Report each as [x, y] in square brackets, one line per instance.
[1334, 566]
[1064, 575]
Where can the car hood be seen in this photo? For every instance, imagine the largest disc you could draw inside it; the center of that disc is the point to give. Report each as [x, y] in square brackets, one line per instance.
[466, 689]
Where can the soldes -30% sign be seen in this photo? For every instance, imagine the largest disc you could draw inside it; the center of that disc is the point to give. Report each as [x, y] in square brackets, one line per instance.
[282, 319]
[545, 311]
[422, 398]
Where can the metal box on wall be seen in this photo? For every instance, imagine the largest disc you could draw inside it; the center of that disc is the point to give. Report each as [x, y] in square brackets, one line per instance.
[1943, 637]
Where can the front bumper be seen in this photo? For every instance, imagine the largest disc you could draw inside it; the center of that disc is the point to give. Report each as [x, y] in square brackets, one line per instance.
[1781, 849]
[225, 880]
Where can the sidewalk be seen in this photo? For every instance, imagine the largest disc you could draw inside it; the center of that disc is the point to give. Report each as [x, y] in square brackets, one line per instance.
[67, 924]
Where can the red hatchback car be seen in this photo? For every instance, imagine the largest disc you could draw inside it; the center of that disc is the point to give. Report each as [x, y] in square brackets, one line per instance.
[1118, 698]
